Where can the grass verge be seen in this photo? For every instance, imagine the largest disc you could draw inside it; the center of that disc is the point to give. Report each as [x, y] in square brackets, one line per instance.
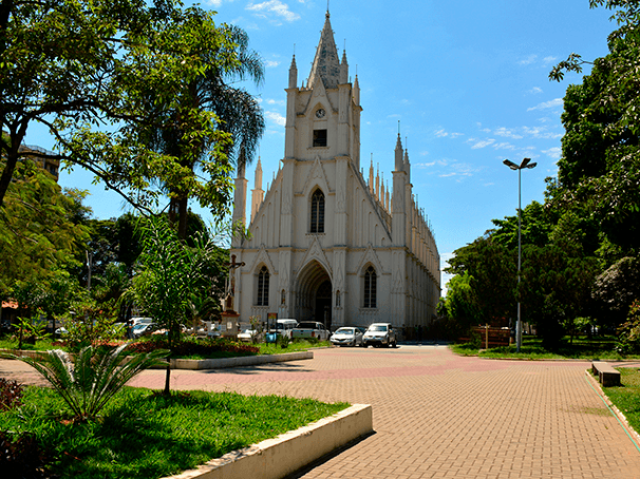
[627, 397]
[580, 348]
[143, 435]
[220, 349]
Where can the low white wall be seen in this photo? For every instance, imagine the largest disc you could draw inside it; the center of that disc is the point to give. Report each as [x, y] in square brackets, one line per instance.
[276, 458]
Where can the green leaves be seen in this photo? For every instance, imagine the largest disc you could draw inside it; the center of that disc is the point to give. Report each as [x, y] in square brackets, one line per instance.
[93, 377]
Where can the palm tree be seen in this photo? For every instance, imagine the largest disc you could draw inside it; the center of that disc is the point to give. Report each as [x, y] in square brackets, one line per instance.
[239, 114]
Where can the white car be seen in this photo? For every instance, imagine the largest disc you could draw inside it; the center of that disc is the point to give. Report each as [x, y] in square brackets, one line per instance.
[380, 334]
[250, 335]
[347, 336]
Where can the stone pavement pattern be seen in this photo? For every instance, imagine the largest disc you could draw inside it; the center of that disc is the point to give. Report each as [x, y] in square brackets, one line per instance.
[437, 415]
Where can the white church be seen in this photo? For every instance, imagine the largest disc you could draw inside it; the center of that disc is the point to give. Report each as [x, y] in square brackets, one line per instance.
[326, 243]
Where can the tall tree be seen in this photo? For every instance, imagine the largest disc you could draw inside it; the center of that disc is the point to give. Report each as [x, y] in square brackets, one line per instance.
[599, 171]
[102, 75]
[170, 273]
[238, 112]
[37, 233]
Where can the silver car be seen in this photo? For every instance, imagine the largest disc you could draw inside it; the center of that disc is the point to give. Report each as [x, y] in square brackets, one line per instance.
[347, 337]
[380, 334]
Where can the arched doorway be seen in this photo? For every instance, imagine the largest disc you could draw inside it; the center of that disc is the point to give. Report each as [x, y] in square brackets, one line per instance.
[314, 294]
[323, 304]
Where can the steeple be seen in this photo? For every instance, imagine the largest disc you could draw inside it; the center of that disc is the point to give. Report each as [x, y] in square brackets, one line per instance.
[407, 165]
[344, 69]
[257, 194]
[371, 175]
[326, 65]
[293, 73]
[399, 165]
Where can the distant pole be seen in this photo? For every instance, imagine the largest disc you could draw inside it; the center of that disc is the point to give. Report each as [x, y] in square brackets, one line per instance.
[525, 164]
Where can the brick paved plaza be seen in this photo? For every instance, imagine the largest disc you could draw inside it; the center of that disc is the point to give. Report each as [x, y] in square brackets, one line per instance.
[437, 415]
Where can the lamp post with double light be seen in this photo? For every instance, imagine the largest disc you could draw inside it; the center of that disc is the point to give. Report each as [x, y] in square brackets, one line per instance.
[526, 163]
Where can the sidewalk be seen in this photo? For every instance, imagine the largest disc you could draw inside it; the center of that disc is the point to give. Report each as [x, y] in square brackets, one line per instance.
[437, 415]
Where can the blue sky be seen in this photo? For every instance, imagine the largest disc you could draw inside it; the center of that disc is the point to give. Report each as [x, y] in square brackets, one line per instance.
[467, 79]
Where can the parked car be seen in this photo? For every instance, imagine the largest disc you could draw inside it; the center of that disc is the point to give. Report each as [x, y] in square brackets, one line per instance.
[135, 321]
[61, 331]
[250, 335]
[380, 334]
[347, 336]
[143, 329]
[283, 327]
[310, 329]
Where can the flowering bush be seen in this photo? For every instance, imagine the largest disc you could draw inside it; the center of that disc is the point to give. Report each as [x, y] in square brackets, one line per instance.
[188, 347]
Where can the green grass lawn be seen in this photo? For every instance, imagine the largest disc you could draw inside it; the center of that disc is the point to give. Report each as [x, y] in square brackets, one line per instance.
[42, 345]
[627, 397]
[580, 348]
[296, 346]
[142, 435]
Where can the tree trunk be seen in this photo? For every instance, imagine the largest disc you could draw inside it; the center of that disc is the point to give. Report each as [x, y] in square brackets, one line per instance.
[167, 386]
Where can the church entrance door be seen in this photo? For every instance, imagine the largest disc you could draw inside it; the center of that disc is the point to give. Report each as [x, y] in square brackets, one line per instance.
[323, 304]
[314, 294]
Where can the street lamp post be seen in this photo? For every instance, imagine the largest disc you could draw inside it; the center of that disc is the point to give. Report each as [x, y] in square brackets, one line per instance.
[525, 164]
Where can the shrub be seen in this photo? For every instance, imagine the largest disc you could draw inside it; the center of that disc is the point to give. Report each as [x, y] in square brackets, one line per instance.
[22, 457]
[94, 377]
[10, 395]
[283, 340]
[190, 346]
[629, 332]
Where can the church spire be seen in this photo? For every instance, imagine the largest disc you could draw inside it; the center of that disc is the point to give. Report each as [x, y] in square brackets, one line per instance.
[326, 65]
[257, 194]
[293, 73]
[344, 68]
[399, 164]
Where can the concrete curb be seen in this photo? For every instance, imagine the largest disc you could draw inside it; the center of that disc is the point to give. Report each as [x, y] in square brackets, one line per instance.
[221, 363]
[289, 452]
[621, 417]
[238, 361]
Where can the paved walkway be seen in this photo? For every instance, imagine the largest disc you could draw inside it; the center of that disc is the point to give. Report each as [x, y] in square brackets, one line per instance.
[437, 415]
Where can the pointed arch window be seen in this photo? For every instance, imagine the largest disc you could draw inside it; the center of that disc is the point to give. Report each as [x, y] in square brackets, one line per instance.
[370, 288]
[317, 212]
[263, 287]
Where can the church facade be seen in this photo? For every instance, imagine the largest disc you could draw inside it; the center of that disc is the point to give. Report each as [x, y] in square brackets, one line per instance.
[324, 242]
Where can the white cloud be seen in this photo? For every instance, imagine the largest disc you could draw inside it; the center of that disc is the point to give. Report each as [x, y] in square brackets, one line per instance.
[553, 152]
[503, 146]
[502, 131]
[535, 90]
[214, 3]
[445, 168]
[528, 60]
[276, 117]
[442, 133]
[541, 133]
[481, 143]
[547, 104]
[548, 60]
[425, 165]
[275, 8]
[271, 63]
[271, 101]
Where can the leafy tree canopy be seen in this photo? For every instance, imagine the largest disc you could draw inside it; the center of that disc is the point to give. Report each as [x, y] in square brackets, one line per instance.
[38, 236]
[599, 172]
[103, 76]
